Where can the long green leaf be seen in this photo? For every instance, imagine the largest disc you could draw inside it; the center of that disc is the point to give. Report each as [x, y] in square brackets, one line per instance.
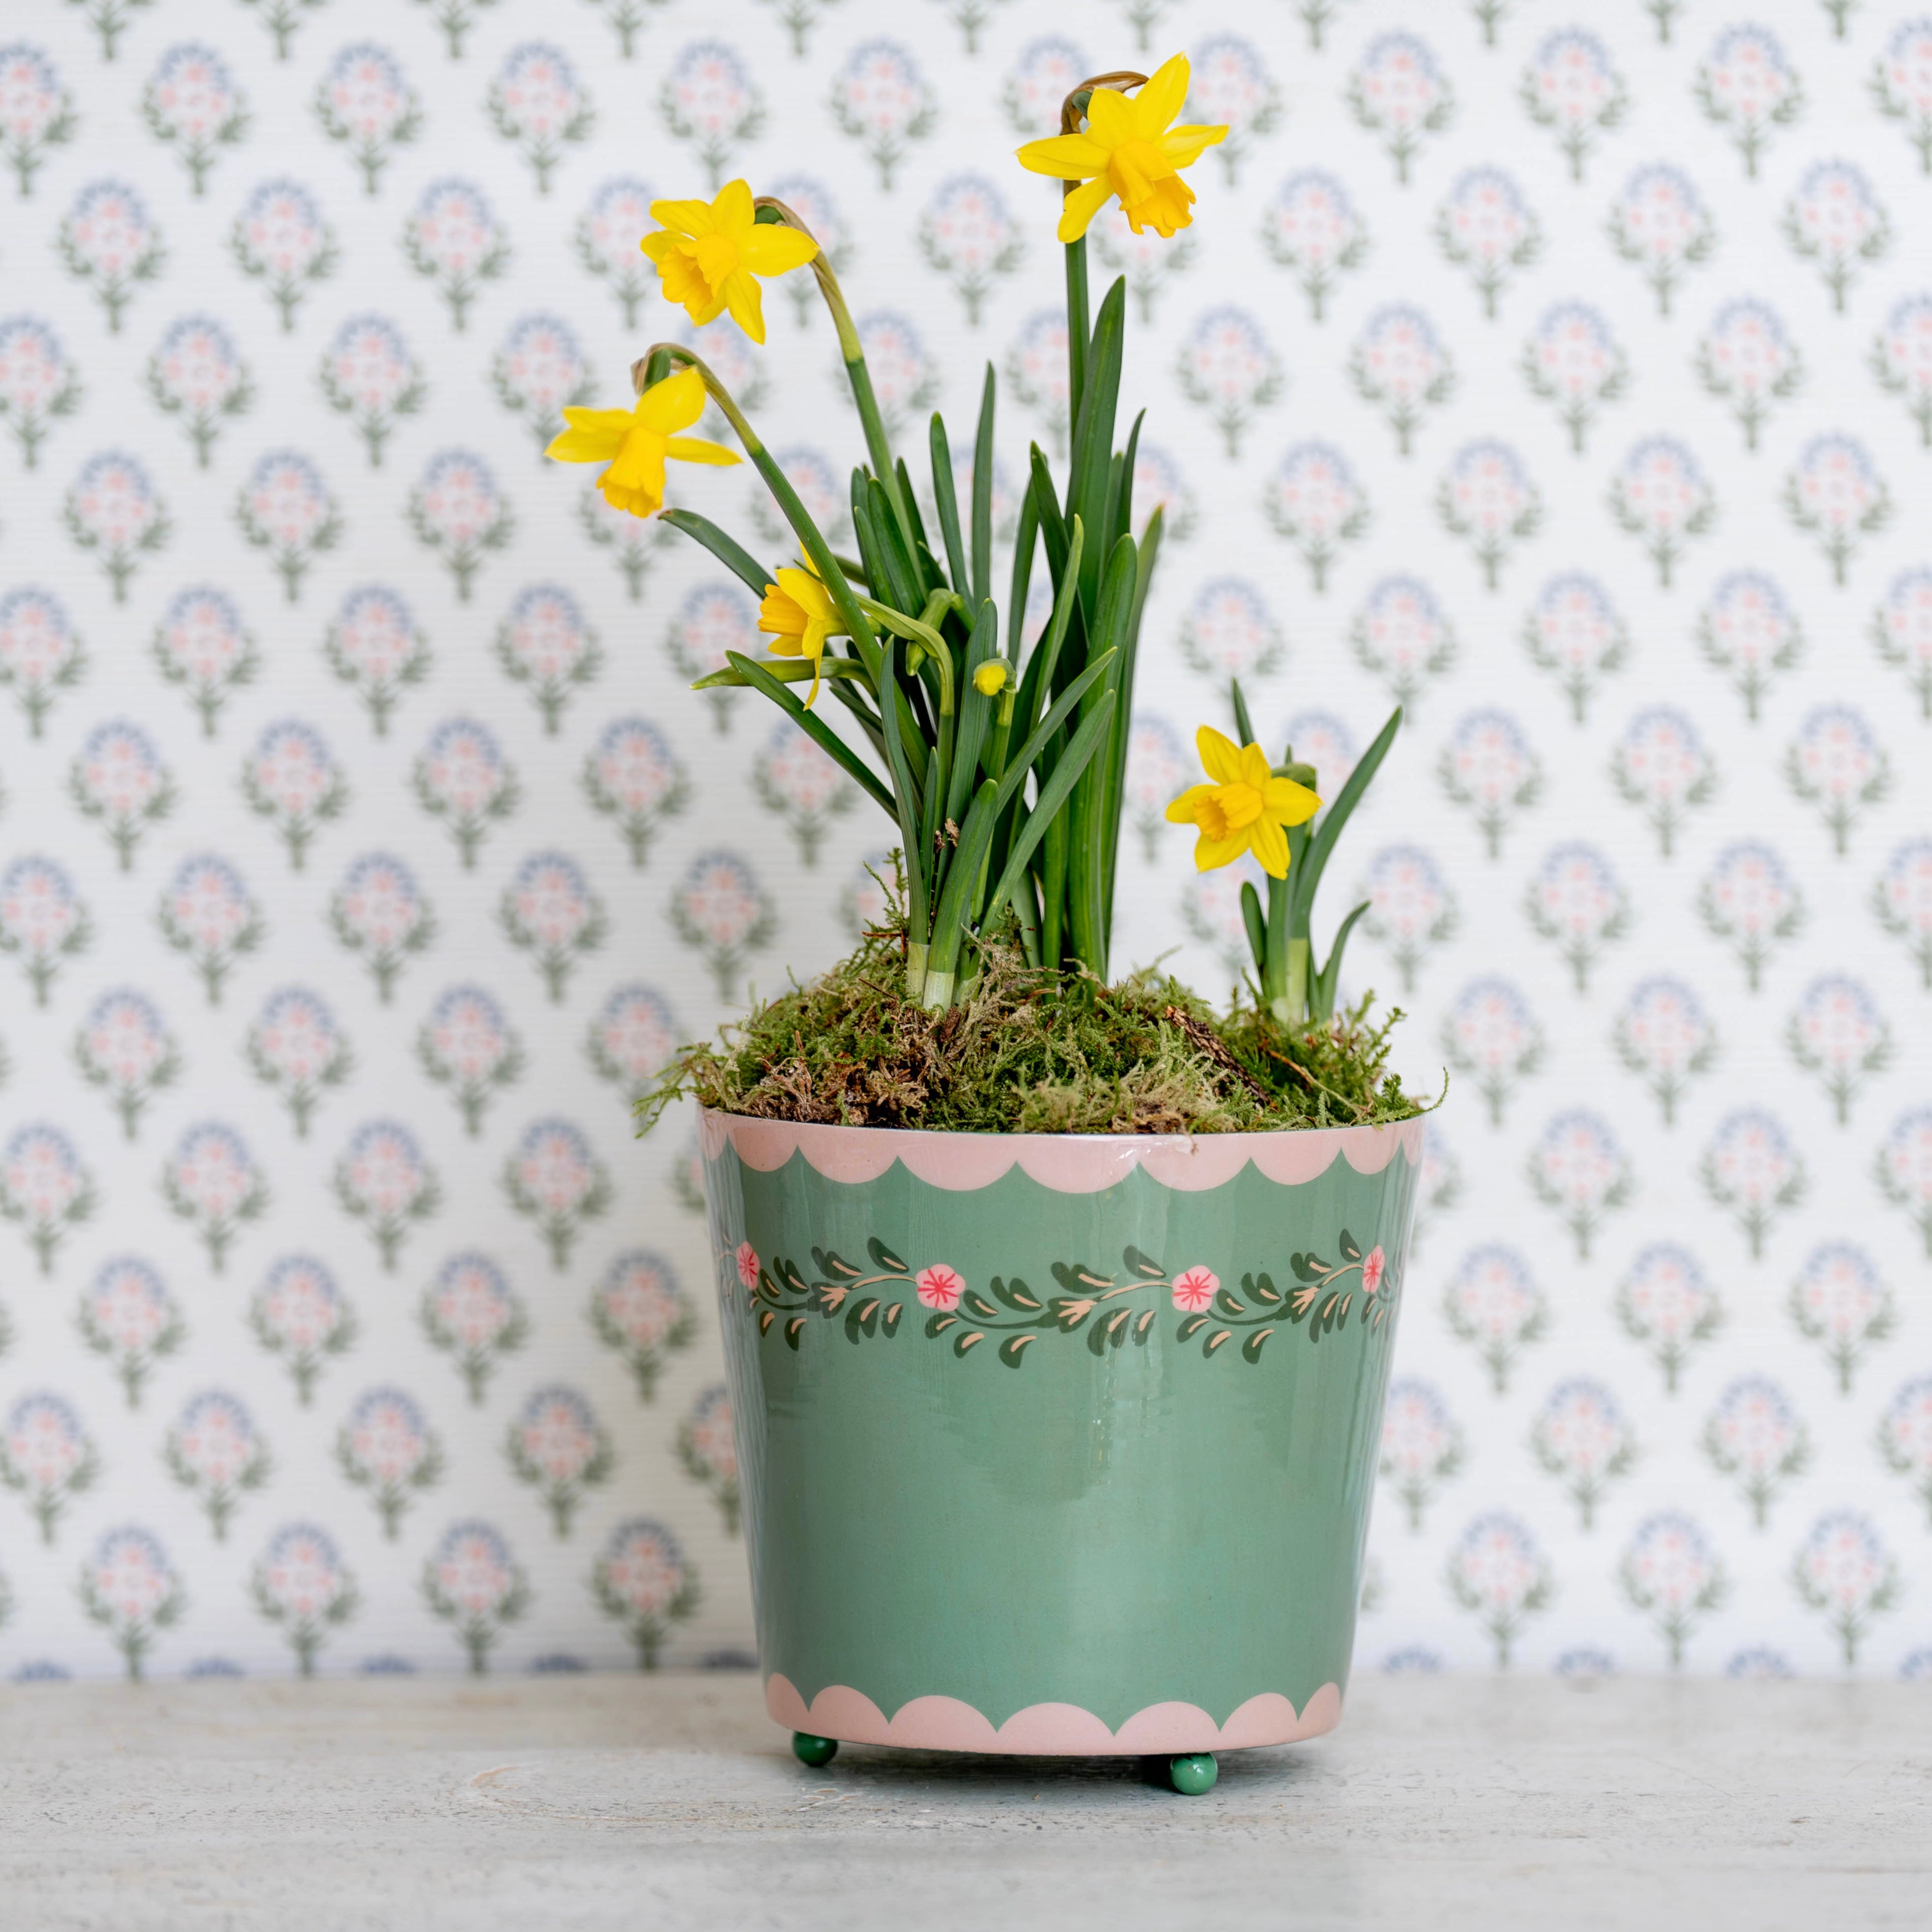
[903, 588]
[1146, 551]
[1337, 816]
[1093, 449]
[727, 550]
[1052, 525]
[905, 798]
[820, 733]
[1025, 540]
[947, 499]
[1039, 679]
[975, 710]
[1328, 981]
[1123, 505]
[1092, 818]
[982, 500]
[975, 836]
[1046, 808]
[1243, 729]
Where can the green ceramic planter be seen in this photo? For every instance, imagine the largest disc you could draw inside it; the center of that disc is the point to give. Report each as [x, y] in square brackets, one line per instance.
[1057, 1443]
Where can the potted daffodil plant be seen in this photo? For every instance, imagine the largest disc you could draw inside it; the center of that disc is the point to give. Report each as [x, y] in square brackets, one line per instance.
[1057, 1306]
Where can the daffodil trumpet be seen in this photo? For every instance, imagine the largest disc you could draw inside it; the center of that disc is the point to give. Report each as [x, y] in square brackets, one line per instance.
[1001, 765]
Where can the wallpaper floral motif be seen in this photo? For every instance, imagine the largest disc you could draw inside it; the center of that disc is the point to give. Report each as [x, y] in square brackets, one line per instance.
[1564, 375]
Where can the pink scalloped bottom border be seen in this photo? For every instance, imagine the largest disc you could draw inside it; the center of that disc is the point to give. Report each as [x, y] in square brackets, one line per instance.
[1067, 1163]
[1049, 1730]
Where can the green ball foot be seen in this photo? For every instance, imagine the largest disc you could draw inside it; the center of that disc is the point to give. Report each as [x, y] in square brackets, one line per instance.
[815, 1751]
[1192, 1774]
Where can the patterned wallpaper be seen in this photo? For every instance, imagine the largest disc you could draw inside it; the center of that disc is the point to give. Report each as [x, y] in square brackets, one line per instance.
[1570, 381]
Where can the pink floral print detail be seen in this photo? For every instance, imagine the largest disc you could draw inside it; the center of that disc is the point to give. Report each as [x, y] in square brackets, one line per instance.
[940, 1287]
[748, 1265]
[1196, 1289]
[1375, 1265]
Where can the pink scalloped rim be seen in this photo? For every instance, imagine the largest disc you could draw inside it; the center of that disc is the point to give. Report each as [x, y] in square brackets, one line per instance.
[1067, 1163]
[1049, 1730]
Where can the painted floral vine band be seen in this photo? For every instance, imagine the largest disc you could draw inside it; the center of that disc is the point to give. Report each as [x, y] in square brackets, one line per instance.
[1110, 1310]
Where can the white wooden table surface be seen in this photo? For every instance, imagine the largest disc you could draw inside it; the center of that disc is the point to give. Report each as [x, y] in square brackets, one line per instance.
[576, 1804]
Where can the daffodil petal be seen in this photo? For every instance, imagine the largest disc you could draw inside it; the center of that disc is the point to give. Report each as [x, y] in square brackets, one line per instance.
[1164, 96]
[732, 207]
[1289, 803]
[659, 243]
[748, 309]
[1220, 757]
[610, 422]
[688, 218]
[1182, 145]
[1110, 118]
[1210, 854]
[1066, 156]
[675, 404]
[1254, 767]
[774, 249]
[696, 449]
[586, 446]
[1081, 206]
[1270, 846]
[1181, 812]
[786, 644]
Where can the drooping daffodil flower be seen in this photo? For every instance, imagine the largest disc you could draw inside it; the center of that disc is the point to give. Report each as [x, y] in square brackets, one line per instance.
[635, 442]
[990, 679]
[1129, 149]
[709, 255]
[798, 615]
[1243, 807]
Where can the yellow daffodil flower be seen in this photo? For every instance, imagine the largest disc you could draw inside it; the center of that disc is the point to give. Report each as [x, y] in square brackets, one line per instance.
[709, 254]
[1128, 150]
[635, 442]
[1244, 809]
[990, 679]
[799, 615]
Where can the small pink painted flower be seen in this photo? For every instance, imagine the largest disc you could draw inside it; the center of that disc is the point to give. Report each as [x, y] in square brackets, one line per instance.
[940, 1287]
[1196, 1289]
[748, 1265]
[1375, 1265]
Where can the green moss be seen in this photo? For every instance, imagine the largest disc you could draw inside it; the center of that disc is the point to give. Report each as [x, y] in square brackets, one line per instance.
[1034, 1052]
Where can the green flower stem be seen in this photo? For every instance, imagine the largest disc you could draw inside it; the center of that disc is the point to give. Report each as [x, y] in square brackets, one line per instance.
[1077, 326]
[878, 446]
[881, 666]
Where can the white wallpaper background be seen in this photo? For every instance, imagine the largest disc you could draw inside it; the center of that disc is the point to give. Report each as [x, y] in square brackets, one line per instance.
[1563, 371]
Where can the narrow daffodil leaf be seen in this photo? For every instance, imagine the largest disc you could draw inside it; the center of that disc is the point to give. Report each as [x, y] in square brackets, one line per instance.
[1046, 808]
[1025, 540]
[975, 710]
[820, 733]
[727, 550]
[1257, 931]
[1093, 448]
[974, 837]
[1052, 524]
[1328, 981]
[1307, 874]
[1124, 507]
[1039, 679]
[982, 500]
[948, 501]
[785, 670]
[1244, 731]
